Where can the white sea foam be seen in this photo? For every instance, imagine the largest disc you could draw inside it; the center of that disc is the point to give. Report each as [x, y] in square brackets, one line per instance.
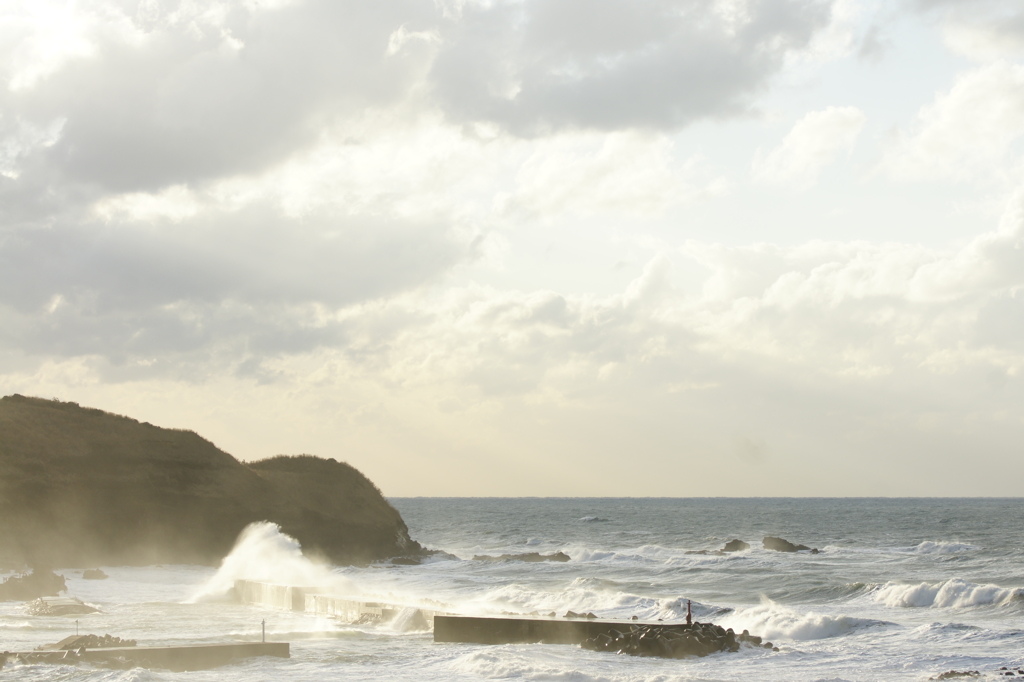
[24, 625]
[953, 593]
[262, 552]
[774, 621]
[943, 547]
[536, 664]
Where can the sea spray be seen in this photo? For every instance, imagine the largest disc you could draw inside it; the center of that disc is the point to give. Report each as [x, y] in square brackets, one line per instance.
[263, 553]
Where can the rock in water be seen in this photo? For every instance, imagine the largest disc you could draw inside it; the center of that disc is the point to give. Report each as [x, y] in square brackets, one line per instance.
[780, 545]
[81, 487]
[735, 546]
[39, 583]
[529, 557]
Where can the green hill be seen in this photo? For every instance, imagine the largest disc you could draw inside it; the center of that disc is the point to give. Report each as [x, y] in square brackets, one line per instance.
[80, 486]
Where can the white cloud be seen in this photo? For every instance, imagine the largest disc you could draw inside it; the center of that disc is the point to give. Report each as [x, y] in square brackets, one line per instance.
[815, 141]
[19, 139]
[616, 173]
[966, 133]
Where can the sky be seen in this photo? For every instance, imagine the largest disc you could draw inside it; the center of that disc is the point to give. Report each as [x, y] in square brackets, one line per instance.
[530, 247]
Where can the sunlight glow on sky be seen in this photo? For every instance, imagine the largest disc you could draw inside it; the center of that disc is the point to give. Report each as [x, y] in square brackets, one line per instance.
[534, 247]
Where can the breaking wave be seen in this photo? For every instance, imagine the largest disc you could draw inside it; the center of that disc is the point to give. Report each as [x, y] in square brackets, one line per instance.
[953, 593]
[772, 621]
[263, 553]
[943, 547]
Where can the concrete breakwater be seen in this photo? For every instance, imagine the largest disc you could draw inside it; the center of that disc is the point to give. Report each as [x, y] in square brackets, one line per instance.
[671, 640]
[174, 658]
[667, 640]
[320, 601]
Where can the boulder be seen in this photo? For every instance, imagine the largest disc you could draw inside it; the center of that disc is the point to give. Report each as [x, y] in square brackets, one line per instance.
[41, 582]
[528, 557]
[780, 545]
[75, 642]
[735, 546]
[670, 641]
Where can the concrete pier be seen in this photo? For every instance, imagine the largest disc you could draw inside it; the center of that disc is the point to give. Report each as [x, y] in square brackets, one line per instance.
[282, 597]
[321, 602]
[174, 658]
[525, 630]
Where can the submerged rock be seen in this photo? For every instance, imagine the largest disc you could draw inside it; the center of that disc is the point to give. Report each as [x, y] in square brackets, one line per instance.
[780, 545]
[529, 557]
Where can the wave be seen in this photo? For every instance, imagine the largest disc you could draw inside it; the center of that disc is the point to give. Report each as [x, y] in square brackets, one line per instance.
[512, 664]
[772, 621]
[604, 598]
[943, 547]
[263, 553]
[24, 625]
[953, 593]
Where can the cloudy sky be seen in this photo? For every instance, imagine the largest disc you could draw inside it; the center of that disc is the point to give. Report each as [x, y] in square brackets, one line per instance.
[530, 247]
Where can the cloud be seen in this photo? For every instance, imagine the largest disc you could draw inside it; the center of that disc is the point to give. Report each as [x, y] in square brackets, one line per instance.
[982, 30]
[806, 356]
[183, 93]
[815, 141]
[965, 133]
[615, 173]
[536, 67]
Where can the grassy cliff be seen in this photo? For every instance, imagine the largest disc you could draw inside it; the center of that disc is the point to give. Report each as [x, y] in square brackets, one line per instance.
[80, 486]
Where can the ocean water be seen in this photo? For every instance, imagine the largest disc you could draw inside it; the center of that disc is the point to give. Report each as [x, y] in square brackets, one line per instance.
[902, 589]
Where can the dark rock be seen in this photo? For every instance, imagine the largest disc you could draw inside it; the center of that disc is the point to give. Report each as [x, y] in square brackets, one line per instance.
[40, 582]
[780, 545]
[81, 486]
[669, 641]
[528, 557]
[75, 642]
[94, 574]
[735, 546]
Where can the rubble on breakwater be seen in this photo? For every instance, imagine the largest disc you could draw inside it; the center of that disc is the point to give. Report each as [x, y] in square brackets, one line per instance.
[678, 641]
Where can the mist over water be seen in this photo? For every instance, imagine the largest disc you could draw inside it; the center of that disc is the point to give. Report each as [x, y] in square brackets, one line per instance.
[902, 590]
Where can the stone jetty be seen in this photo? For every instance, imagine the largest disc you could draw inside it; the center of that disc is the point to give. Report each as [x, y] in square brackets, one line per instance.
[696, 639]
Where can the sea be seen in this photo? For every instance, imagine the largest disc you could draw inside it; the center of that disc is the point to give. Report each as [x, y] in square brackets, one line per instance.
[901, 589]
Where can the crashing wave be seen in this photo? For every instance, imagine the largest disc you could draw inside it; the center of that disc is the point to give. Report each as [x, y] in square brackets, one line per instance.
[774, 621]
[953, 593]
